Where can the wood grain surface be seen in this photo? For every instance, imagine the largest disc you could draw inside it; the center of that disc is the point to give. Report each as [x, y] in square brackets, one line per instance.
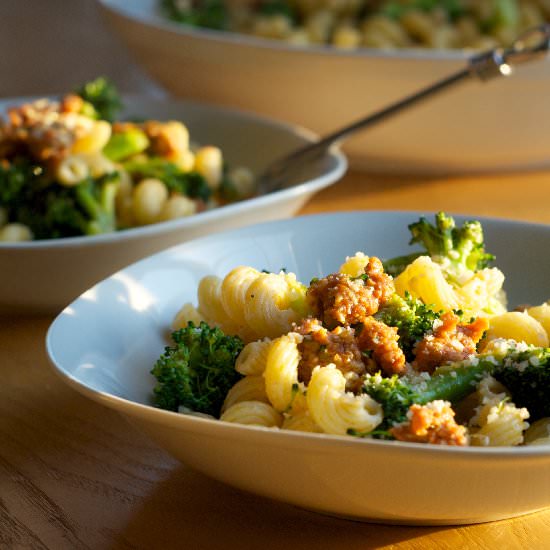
[74, 474]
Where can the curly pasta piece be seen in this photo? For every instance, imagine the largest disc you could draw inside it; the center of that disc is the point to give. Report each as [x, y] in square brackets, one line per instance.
[542, 315]
[518, 326]
[249, 388]
[424, 279]
[254, 413]
[336, 411]
[483, 292]
[301, 422]
[538, 433]
[253, 357]
[281, 372]
[233, 292]
[210, 304]
[354, 266]
[497, 422]
[188, 312]
[268, 303]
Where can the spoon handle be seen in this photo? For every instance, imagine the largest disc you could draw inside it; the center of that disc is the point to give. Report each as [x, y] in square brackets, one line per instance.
[531, 45]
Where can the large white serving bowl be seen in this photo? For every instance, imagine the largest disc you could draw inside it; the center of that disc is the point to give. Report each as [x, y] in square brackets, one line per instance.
[475, 127]
[106, 342]
[44, 276]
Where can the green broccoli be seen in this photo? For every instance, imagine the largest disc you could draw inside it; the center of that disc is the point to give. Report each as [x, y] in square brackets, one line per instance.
[396, 394]
[191, 184]
[210, 14]
[396, 9]
[277, 7]
[125, 144]
[526, 374]
[523, 370]
[412, 318]
[53, 211]
[198, 370]
[102, 99]
[456, 249]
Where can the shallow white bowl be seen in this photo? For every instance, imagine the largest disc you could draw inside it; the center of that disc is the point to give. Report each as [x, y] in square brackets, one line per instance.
[475, 127]
[105, 343]
[44, 276]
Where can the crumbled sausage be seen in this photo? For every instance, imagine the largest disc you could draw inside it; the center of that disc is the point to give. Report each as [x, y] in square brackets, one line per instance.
[43, 129]
[341, 300]
[381, 340]
[71, 103]
[431, 423]
[449, 342]
[322, 347]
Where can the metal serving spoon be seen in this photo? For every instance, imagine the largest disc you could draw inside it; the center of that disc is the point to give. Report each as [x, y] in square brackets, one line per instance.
[531, 45]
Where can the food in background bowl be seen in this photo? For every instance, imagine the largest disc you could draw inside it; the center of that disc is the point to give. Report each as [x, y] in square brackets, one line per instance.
[67, 168]
[351, 24]
[472, 128]
[46, 274]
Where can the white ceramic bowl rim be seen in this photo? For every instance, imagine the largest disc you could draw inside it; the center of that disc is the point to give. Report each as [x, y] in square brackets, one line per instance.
[140, 12]
[226, 429]
[338, 169]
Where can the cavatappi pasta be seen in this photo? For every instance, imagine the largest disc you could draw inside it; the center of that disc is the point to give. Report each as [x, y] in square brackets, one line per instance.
[64, 171]
[352, 24]
[326, 357]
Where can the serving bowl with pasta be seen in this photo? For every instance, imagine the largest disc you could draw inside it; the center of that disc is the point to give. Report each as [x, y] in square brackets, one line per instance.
[472, 128]
[77, 215]
[305, 419]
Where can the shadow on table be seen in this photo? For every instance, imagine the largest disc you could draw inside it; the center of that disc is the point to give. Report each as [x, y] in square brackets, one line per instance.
[192, 511]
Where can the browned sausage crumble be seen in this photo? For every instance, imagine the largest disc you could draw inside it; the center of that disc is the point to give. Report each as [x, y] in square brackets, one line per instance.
[320, 347]
[431, 423]
[342, 300]
[449, 342]
[382, 341]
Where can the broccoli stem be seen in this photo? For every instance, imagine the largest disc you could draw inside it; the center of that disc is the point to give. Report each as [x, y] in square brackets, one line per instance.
[101, 210]
[125, 144]
[454, 383]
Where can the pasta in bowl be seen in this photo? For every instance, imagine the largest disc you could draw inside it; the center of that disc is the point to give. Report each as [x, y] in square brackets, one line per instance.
[309, 419]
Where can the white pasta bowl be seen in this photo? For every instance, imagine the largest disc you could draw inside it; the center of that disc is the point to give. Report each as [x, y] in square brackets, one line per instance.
[106, 342]
[45, 275]
[475, 127]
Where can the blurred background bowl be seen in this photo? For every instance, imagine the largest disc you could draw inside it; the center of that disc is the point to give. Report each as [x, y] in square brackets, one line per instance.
[477, 127]
[44, 276]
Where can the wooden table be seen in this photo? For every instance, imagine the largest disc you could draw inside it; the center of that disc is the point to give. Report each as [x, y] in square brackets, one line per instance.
[74, 474]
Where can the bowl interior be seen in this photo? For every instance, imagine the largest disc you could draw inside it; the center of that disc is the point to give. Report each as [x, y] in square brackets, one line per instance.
[109, 338]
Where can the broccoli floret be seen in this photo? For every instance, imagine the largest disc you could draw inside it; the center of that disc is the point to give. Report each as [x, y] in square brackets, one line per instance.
[412, 318]
[103, 96]
[396, 395]
[96, 197]
[396, 10]
[456, 249]
[53, 211]
[523, 370]
[278, 7]
[191, 184]
[198, 370]
[210, 14]
[526, 375]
